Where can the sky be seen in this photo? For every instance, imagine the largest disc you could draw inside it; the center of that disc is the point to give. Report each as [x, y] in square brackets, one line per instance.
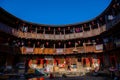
[55, 12]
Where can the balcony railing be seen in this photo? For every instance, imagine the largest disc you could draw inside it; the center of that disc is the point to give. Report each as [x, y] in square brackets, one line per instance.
[55, 51]
[21, 34]
[85, 34]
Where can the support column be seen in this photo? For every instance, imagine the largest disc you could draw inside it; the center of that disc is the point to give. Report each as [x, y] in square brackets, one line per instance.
[42, 63]
[64, 33]
[54, 46]
[64, 47]
[82, 29]
[54, 33]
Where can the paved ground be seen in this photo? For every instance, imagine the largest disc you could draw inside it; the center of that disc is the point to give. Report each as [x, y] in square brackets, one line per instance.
[89, 76]
[77, 78]
[66, 78]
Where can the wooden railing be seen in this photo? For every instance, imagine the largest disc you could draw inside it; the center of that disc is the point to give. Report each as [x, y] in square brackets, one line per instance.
[21, 34]
[28, 50]
[84, 49]
[85, 34]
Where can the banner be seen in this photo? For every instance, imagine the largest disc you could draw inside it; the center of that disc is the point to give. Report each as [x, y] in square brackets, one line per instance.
[29, 50]
[99, 47]
[59, 51]
[48, 58]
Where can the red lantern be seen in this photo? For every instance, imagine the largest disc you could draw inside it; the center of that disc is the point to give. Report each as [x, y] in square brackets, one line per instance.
[84, 25]
[93, 23]
[88, 41]
[59, 29]
[114, 6]
[29, 42]
[49, 28]
[59, 43]
[38, 43]
[78, 42]
[69, 43]
[40, 28]
[23, 24]
[47, 43]
[68, 28]
[101, 18]
[97, 39]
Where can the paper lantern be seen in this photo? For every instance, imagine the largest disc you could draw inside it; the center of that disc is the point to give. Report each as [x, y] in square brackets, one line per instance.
[69, 43]
[59, 29]
[59, 43]
[23, 24]
[49, 28]
[84, 25]
[114, 6]
[101, 19]
[29, 42]
[68, 28]
[40, 28]
[78, 42]
[47, 43]
[38, 43]
[93, 23]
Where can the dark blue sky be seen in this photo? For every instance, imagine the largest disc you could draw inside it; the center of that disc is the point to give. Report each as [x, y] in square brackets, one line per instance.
[57, 12]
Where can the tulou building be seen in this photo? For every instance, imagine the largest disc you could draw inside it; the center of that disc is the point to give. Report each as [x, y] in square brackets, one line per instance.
[61, 48]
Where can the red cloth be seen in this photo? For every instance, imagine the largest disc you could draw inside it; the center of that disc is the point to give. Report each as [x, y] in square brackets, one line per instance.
[87, 61]
[98, 61]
